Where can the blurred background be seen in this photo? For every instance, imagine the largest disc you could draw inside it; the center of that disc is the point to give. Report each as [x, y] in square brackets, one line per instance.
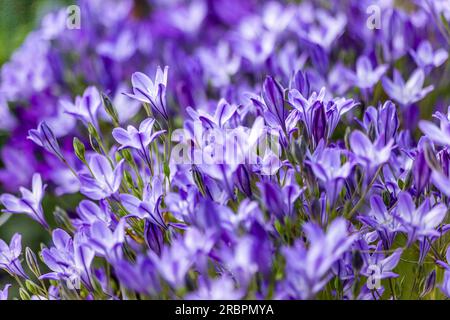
[17, 19]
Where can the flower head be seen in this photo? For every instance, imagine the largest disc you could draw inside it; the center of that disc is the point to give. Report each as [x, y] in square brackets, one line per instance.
[409, 92]
[137, 139]
[30, 203]
[85, 107]
[151, 92]
[70, 259]
[104, 181]
[367, 153]
[307, 268]
[44, 137]
[421, 221]
[9, 256]
[426, 58]
[366, 76]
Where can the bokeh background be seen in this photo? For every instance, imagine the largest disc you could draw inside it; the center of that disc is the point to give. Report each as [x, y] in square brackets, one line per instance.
[17, 19]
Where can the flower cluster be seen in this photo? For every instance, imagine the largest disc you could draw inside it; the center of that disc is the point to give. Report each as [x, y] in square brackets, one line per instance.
[282, 153]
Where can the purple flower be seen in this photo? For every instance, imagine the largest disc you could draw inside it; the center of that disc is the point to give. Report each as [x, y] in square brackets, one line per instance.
[379, 266]
[382, 220]
[426, 58]
[9, 256]
[409, 92]
[137, 139]
[141, 276]
[4, 292]
[383, 121]
[104, 181]
[366, 76]
[307, 268]
[440, 135]
[388, 123]
[243, 180]
[70, 260]
[148, 208]
[151, 92]
[120, 49]
[441, 181]
[89, 212]
[85, 107]
[420, 222]
[209, 215]
[154, 236]
[173, 263]
[327, 166]
[320, 27]
[222, 115]
[106, 242]
[19, 166]
[370, 154]
[7, 120]
[29, 203]
[250, 255]
[421, 170]
[300, 82]
[43, 136]
[29, 71]
[279, 201]
[219, 63]
[253, 202]
[319, 116]
[198, 242]
[273, 95]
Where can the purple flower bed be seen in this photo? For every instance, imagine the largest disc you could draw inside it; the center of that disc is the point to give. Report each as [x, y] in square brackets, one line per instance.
[231, 150]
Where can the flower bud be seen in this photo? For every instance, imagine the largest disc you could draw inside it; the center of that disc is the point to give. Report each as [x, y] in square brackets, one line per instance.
[93, 131]
[318, 123]
[154, 236]
[421, 172]
[243, 179]
[273, 96]
[300, 82]
[79, 148]
[110, 109]
[32, 287]
[24, 295]
[430, 155]
[32, 262]
[444, 159]
[388, 114]
[44, 137]
[126, 154]
[94, 144]
[62, 219]
[429, 284]
[198, 178]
